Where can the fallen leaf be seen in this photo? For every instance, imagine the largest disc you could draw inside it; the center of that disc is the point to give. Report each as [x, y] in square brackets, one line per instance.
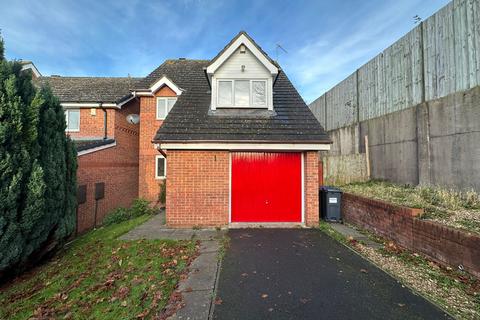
[363, 270]
[304, 300]
[124, 303]
[401, 304]
[218, 301]
[264, 295]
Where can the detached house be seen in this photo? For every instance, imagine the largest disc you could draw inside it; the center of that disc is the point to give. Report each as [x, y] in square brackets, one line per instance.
[231, 138]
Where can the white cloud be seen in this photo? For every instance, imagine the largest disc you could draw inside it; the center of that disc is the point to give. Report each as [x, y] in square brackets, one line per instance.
[333, 55]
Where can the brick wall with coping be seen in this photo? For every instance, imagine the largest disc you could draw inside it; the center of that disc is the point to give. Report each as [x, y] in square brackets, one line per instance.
[445, 245]
[117, 167]
[149, 185]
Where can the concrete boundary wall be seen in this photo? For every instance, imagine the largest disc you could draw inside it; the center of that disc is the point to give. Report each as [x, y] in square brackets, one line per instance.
[439, 57]
[433, 143]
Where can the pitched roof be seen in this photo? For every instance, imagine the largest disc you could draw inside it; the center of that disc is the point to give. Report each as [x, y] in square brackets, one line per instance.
[179, 71]
[82, 145]
[90, 89]
[191, 120]
[251, 40]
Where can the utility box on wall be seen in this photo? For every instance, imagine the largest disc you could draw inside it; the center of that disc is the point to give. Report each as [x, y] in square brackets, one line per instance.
[81, 194]
[99, 190]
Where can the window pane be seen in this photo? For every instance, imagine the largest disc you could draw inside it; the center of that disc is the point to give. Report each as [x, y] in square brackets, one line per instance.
[171, 102]
[73, 120]
[160, 167]
[161, 108]
[225, 93]
[259, 96]
[242, 92]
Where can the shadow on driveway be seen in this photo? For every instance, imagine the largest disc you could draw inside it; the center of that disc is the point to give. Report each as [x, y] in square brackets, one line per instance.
[304, 274]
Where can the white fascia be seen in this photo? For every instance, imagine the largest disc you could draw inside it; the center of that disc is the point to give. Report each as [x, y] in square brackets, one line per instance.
[89, 105]
[106, 146]
[242, 39]
[164, 81]
[244, 146]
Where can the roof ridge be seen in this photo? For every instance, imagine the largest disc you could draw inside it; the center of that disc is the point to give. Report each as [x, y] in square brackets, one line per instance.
[86, 77]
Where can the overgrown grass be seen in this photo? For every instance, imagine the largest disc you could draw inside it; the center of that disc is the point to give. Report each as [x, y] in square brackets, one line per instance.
[100, 277]
[452, 207]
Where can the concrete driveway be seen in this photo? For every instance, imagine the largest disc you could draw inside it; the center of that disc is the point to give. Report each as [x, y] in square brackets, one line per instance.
[304, 274]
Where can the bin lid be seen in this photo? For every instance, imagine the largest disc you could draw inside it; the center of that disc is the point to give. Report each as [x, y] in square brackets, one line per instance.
[330, 189]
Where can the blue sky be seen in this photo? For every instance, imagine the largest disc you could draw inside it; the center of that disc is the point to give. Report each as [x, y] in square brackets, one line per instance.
[325, 40]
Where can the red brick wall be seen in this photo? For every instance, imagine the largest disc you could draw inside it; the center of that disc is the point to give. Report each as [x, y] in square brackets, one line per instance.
[311, 188]
[197, 188]
[117, 167]
[149, 186]
[92, 126]
[448, 246]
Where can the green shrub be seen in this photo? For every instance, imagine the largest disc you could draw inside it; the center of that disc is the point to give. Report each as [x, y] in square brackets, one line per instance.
[37, 170]
[138, 208]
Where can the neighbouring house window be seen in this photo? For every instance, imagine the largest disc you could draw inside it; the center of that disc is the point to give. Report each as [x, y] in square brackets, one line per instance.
[164, 105]
[242, 93]
[72, 118]
[160, 167]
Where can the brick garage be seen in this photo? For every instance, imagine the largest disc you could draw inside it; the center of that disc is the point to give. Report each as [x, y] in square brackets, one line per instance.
[447, 246]
[116, 166]
[198, 188]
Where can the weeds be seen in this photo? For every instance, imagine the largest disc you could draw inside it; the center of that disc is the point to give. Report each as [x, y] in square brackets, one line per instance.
[460, 209]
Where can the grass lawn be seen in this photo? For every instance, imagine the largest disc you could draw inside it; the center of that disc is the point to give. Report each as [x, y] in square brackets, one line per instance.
[100, 277]
[451, 207]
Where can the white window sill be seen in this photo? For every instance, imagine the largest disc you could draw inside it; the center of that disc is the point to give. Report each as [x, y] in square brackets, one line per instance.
[160, 178]
[242, 107]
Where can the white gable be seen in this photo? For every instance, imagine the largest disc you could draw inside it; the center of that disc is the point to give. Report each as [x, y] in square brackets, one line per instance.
[242, 39]
[252, 67]
[242, 60]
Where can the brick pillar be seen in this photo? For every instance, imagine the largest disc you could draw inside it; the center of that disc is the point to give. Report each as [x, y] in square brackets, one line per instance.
[311, 188]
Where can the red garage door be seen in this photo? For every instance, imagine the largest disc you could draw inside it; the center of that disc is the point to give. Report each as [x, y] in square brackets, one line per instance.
[266, 187]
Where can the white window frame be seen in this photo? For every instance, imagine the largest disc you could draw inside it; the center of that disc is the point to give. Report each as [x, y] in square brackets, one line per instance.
[166, 99]
[159, 156]
[250, 103]
[67, 111]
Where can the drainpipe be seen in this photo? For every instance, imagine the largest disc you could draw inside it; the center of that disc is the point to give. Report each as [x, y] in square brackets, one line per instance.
[105, 118]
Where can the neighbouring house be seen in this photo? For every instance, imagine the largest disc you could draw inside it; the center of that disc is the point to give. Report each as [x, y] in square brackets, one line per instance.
[231, 138]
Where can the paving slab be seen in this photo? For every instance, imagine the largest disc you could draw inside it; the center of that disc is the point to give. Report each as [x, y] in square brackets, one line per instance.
[348, 231]
[202, 273]
[197, 306]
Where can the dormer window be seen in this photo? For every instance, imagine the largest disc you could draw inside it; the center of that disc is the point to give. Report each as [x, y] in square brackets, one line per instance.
[242, 76]
[241, 93]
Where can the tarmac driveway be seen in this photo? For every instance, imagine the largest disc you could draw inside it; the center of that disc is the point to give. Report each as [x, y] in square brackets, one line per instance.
[304, 274]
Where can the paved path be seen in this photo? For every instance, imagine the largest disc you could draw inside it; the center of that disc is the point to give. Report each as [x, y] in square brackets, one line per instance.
[304, 274]
[198, 288]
